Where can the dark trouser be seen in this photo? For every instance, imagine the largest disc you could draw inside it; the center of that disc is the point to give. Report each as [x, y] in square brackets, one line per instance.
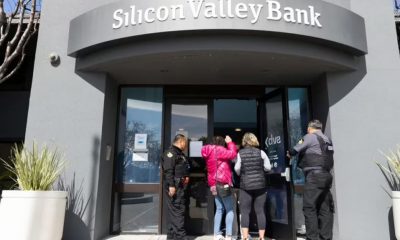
[318, 206]
[246, 200]
[176, 213]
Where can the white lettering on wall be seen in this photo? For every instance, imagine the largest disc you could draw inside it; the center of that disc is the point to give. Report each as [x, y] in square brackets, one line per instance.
[162, 13]
[271, 10]
[175, 13]
[147, 17]
[288, 16]
[196, 11]
[255, 11]
[314, 17]
[119, 21]
[302, 16]
[210, 10]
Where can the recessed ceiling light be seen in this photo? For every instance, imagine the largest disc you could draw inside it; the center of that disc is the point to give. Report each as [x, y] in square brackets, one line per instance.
[238, 129]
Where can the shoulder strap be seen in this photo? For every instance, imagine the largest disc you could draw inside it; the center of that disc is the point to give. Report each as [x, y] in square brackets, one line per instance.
[321, 142]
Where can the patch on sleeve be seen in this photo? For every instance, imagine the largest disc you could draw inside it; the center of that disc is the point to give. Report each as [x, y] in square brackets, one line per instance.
[301, 141]
[170, 155]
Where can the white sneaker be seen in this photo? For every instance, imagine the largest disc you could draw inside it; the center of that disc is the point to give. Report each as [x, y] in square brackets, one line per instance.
[219, 237]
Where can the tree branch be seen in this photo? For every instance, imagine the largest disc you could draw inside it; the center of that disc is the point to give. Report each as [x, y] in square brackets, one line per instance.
[5, 31]
[12, 52]
[21, 61]
[17, 35]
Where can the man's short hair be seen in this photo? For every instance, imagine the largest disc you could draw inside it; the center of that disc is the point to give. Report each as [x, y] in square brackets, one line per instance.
[179, 137]
[316, 124]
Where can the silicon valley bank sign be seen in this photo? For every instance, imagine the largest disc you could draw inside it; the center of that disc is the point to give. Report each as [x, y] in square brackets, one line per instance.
[121, 20]
[271, 10]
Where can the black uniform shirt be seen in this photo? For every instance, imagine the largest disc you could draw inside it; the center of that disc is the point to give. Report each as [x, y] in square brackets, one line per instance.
[175, 165]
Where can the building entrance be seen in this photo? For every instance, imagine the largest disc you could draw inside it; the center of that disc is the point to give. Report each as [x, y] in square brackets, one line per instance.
[273, 114]
[151, 116]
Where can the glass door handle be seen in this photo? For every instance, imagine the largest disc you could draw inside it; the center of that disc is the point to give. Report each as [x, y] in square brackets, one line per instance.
[286, 174]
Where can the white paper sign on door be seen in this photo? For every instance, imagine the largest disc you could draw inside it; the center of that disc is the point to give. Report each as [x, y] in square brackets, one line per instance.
[140, 141]
[195, 148]
[140, 157]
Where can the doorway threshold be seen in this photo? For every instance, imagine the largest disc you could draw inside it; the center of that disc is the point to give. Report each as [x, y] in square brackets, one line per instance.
[164, 237]
[152, 237]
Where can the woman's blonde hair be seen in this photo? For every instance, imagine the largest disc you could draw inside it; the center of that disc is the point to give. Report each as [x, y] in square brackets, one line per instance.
[249, 139]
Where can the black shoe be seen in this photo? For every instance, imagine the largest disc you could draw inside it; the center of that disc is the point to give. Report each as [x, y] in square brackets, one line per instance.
[170, 237]
[184, 238]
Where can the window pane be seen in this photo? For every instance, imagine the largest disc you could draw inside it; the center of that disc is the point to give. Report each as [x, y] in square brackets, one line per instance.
[139, 149]
[298, 120]
[189, 120]
[139, 212]
[274, 142]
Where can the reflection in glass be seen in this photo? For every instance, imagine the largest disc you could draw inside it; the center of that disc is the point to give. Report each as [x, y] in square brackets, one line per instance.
[298, 120]
[277, 204]
[274, 142]
[191, 120]
[141, 113]
[234, 117]
[139, 212]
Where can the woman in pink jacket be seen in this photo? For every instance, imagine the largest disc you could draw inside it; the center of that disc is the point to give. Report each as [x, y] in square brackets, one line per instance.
[218, 158]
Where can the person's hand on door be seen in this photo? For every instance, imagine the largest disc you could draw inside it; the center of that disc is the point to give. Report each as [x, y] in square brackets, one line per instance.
[172, 191]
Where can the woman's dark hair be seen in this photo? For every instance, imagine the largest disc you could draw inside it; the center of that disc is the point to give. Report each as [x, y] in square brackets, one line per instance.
[218, 140]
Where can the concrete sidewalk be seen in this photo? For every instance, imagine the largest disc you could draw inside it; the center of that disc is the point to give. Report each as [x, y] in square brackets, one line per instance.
[151, 237]
[160, 237]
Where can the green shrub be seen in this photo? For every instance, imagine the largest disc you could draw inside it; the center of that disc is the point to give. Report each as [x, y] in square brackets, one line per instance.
[35, 169]
[392, 170]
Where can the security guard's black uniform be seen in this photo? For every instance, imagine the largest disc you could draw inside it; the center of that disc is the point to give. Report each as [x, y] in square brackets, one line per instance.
[176, 168]
[317, 199]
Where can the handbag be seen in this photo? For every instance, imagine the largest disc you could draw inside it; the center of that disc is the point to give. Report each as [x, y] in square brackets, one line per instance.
[223, 189]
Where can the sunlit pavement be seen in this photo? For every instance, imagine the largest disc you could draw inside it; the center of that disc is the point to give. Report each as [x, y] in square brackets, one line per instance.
[151, 237]
[161, 237]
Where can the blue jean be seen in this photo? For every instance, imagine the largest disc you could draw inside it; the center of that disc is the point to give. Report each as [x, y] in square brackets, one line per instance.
[223, 205]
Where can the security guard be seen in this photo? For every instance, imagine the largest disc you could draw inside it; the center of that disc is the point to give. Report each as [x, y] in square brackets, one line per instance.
[176, 178]
[316, 159]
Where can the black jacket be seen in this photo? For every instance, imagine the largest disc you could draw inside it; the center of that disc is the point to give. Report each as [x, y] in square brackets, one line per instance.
[175, 165]
[252, 176]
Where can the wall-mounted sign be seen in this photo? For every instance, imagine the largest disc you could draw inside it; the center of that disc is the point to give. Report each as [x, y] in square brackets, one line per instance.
[271, 10]
[308, 19]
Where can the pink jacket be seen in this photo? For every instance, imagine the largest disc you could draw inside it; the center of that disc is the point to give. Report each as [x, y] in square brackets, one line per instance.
[224, 155]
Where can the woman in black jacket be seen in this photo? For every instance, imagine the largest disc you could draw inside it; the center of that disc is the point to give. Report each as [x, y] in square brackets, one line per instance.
[251, 165]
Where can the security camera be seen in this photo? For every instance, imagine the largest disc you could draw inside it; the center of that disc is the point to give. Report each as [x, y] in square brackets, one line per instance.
[54, 59]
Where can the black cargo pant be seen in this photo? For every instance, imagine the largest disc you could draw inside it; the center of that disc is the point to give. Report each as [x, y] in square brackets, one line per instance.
[318, 206]
[176, 212]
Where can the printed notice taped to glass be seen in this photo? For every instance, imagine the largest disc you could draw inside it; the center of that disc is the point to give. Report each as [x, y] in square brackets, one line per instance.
[140, 141]
[140, 153]
[139, 156]
[195, 148]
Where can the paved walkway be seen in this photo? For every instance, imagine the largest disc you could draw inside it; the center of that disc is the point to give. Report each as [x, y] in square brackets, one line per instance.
[151, 237]
[158, 237]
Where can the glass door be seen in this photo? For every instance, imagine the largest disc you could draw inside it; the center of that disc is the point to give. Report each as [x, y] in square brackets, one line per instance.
[273, 126]
[136, 188]
[192, 119]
